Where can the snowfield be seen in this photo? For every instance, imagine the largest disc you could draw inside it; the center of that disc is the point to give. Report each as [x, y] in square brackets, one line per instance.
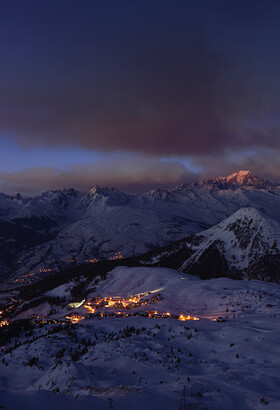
[141, 362]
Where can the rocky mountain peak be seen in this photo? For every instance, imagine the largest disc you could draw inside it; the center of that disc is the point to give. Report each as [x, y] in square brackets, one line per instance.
[112, 196]
[96, 189]
[242, 177]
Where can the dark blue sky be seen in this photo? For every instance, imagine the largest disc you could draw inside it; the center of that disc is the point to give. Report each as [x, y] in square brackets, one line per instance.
[136, 93]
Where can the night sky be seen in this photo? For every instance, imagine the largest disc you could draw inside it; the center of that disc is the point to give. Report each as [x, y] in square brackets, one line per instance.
[137, 94]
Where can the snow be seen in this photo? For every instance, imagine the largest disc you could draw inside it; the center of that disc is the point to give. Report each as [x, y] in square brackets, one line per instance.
[145, 363]
[188, 294]
[41, 310]
[103, 221]
[137, 361]
[246, 240]
[240, 247]
[60, 291]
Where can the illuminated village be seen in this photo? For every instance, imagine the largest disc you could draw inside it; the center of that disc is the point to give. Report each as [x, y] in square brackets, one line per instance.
[110, 306]
[147, 330]
[29, 278]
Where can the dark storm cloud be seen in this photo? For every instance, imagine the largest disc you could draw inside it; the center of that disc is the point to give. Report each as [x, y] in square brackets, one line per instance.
[168, 107]
[162, 77]
[130, 173]
[120, 77]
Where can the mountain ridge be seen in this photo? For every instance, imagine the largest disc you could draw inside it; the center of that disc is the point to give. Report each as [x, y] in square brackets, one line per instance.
[237, 247]
[80, 226]
[236, 179]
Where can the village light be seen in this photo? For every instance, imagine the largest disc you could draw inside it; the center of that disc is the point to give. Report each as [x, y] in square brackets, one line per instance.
[183, 318]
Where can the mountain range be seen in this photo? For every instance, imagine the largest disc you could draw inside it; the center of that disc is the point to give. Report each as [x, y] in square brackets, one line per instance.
[109, 322]
[224, 226]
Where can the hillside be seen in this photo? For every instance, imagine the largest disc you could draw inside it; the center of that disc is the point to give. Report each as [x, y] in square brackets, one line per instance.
[244, 246]
[135, 338]
[75, 227]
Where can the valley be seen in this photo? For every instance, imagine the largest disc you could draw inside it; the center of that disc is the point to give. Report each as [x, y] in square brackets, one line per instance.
[159, 300]
[74, 227]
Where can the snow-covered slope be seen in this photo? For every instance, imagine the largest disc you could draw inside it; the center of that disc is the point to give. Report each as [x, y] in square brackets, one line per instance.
[147, 362]
[245, 245]
[97, 224]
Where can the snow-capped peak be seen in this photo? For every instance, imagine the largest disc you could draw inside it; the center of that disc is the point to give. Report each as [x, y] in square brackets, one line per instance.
[110, 196]
[244, 217]
[96, 189]
[242, 177]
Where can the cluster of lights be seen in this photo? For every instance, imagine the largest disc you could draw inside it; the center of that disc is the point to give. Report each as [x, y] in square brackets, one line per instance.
[183, 318]
[28, 277]
[119, 303]
[94, 260]
[89, 308]
[4, 323]
[116, 256]
[75, 318]
[93, 307]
